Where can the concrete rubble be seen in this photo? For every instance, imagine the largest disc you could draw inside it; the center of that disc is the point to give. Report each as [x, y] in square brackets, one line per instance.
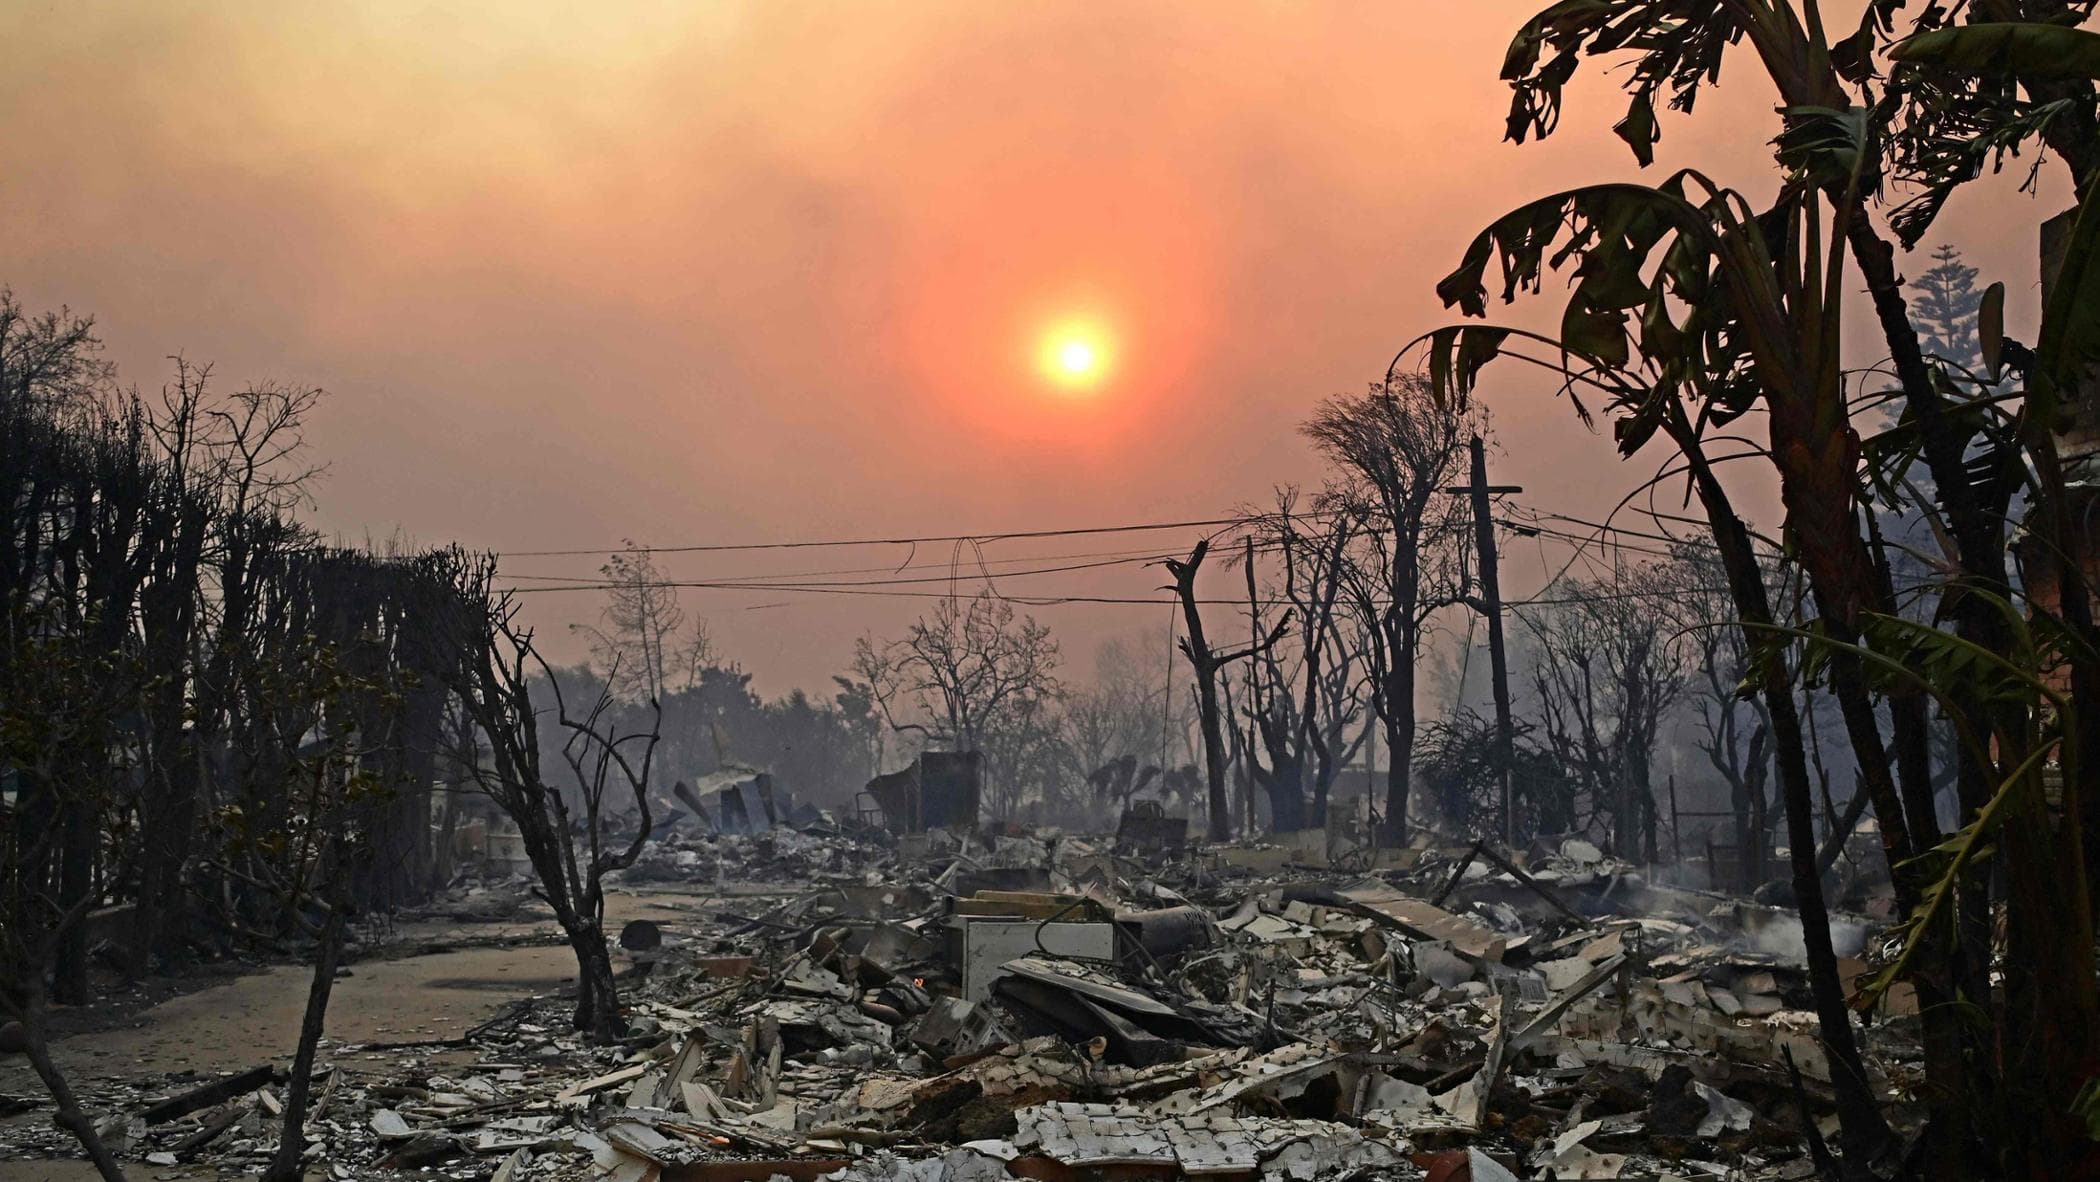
[951, 1007]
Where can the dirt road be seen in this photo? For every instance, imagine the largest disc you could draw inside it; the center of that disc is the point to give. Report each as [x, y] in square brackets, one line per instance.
[254, 1019]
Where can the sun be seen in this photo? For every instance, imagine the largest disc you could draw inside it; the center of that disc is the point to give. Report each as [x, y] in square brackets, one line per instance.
[1074, 355]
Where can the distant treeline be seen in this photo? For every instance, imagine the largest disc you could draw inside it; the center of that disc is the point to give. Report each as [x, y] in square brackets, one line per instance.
[822, 752]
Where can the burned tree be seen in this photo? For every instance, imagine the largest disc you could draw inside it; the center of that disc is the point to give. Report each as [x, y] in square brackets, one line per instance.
[1735, 728]
[1398, 447]
[1206, 661]
[334, 804]
[1304, 698]
[643, 634]
[245, 448]
[1606, 667]
[973, 676]
[1459, 759]
[59, 704]
[492, 667]
[168, 629]
[1116, 730]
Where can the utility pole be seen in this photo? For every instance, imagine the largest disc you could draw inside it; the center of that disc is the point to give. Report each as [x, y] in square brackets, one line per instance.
[1489, 604]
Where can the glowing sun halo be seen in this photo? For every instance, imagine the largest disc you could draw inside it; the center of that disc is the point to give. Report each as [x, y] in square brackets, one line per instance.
[1074, 355]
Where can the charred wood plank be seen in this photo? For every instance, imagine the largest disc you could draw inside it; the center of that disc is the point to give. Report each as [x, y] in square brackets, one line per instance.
[204, 1096]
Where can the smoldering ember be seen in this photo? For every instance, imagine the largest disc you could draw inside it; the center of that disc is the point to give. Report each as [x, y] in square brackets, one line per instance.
[947, 597]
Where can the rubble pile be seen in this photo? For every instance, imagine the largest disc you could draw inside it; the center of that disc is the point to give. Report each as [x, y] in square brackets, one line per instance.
[777, 855]
[957, 1009]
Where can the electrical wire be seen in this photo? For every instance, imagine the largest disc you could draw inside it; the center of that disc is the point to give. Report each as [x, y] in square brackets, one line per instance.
[1138, 527]
[1517, 518]
[890, 568]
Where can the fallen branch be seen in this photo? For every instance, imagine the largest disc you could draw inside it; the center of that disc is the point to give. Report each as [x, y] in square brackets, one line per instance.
[223, 1119]
[204, 1096]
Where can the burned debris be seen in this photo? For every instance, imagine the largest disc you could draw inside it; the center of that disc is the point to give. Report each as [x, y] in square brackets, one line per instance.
[961, 1005]
[939, 790]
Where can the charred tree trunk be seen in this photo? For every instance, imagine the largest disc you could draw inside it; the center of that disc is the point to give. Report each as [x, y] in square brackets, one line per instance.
[1400, 743]
[76, 874]
[1864, 1133]
[1817, 493]
[487, 659]
[1283, 781]
[168, 608]
[286, 1165]
[1286, 808]
[1634, 805]
[2052, 1004]
[598, 1014]
[70, 1116]
[1205, 663]
[1207, 715]
[165, 839]
[1979, 537]
[1756, 815]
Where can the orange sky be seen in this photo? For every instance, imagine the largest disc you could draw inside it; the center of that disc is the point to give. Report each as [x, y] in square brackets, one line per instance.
[731, 272]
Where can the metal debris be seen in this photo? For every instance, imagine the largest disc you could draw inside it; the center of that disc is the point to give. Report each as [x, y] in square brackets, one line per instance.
[946, 1007]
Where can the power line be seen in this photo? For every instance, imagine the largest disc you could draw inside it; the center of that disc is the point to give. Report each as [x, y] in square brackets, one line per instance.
[947, 577]
[864, 590]
[1671, 539]
[957, 569]
[859, 590]
[1694, 542]
[731, 584]
[1044, 533]
[1580, 541]
[889, 569]
[1139, 527]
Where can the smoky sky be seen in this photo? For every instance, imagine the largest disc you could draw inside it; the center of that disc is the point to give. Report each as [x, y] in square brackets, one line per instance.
[702, 273]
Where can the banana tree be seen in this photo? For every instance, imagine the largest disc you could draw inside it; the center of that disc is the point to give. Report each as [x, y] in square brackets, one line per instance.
[1882, 103]
[2048, 848]
[1690, 310]
[1927, 126]
[1747, 307]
